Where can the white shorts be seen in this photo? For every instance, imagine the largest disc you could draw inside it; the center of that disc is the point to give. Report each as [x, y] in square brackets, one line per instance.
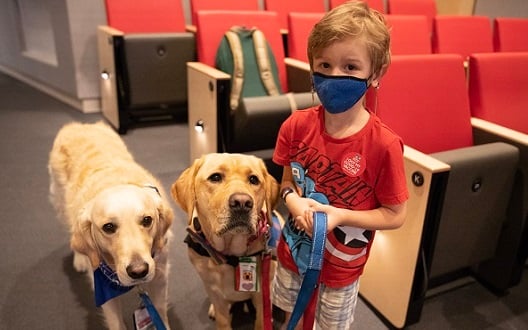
[335, 306]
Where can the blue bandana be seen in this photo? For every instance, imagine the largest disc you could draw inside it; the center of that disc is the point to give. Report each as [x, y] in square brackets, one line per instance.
[107, 285]
[339, 93]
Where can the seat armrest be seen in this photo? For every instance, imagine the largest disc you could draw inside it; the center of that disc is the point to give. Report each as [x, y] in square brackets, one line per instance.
[207, 90]
[298, 74]
[396, 254]
[190, 28]
[500, 131]
[106, 39]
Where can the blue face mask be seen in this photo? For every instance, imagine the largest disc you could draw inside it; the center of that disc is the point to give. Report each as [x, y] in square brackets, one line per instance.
[339, 93]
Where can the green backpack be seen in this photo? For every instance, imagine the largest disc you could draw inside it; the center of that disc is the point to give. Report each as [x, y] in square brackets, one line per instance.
[247, 57]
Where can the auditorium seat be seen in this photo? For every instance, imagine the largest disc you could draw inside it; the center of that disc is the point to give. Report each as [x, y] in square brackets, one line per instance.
[379, 5]
[497, 90]
[510, 34]
[414, 7]
[460, 192]
[196, 5]
[299, 27]
[409, 34]
[142, 59]
[253, 126]
[284, 7]
[462, 35]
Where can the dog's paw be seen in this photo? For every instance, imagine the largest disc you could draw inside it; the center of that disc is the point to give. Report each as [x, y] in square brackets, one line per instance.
[211, 312]
[81, 263]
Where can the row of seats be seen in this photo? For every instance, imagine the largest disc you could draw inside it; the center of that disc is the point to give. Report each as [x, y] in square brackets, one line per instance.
[142, 33]
[466, 157]
[410, 34]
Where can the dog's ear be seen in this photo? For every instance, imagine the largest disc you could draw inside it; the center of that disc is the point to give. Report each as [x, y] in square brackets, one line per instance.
[81, 237]
[166, 216]
[272, 188]
[182, 190]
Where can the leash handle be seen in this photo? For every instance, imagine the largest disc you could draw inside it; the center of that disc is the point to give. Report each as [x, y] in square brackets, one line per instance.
[311, 277]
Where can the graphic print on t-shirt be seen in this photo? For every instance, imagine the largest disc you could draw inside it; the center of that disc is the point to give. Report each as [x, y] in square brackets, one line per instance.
[351, 237]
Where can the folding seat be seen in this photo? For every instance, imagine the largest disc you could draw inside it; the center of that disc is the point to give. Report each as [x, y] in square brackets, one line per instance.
[379, 5]
[414, 7]
[409, 34]
[462, 35]
[142, 59]
[459, 192]
[510, 34]
[196, 5]
[253, 126]
[498, 99]
[299, 27]
[284, 7]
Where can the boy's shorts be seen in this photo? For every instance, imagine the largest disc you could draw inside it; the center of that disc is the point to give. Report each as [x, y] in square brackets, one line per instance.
[335, 306]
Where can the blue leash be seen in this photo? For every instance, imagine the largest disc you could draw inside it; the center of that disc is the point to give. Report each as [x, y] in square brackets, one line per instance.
[311, 277]
[153, 313]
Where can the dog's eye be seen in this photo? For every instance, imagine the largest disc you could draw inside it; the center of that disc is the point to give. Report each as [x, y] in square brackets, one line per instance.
[146, 221]
[253, 179]
[215, 177]
[109, 228]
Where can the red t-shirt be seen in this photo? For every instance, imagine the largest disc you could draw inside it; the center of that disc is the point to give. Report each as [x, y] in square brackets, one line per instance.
[359, 172]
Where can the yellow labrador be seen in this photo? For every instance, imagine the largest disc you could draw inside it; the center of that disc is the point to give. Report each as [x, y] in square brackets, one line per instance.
[229, 199]
[117, 213]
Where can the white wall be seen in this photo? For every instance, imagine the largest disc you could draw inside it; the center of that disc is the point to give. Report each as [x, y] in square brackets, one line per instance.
[51, 45]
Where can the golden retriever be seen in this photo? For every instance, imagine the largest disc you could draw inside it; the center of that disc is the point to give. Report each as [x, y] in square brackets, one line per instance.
[116, 211]
[227, 197]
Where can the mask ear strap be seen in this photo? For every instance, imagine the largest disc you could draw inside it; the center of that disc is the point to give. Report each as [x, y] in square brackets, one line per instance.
[312, 90]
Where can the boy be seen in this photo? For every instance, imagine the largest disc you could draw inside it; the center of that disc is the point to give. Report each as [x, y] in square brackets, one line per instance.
[339, 159]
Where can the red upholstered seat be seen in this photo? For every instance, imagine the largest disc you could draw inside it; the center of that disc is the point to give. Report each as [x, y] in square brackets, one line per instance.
[379, 5]
[299, 27]
[143, 52]
[409, 34]
[197, 5]
[413, 7]
[498, 85]
[145, 16]
[510, 34]
[463, 35]
[284, 7]
[423, 98]
[212, 25]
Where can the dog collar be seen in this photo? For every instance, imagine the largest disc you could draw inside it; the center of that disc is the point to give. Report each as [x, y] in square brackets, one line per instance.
[107, 285]
[151, 186]
[197, 241]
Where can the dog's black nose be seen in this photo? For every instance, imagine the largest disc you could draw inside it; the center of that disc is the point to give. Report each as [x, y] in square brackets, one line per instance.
[137, 271]
[240, 202]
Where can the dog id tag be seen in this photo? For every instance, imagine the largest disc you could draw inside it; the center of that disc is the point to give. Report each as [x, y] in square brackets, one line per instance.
[142, 320]
[246, 275]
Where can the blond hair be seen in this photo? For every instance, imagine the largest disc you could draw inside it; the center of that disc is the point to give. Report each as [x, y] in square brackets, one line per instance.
[353, 19]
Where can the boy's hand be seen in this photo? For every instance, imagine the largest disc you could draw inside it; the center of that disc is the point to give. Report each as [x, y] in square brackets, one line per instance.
[305, 221]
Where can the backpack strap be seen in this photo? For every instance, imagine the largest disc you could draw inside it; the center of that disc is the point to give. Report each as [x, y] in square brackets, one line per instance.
[238, 66]
[263, 62]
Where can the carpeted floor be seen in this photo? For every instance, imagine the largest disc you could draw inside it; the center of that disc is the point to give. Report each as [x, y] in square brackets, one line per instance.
[39, 288]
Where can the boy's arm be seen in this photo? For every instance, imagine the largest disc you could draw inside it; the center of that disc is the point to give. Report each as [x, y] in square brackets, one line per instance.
[296, 204]
[382, 218]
